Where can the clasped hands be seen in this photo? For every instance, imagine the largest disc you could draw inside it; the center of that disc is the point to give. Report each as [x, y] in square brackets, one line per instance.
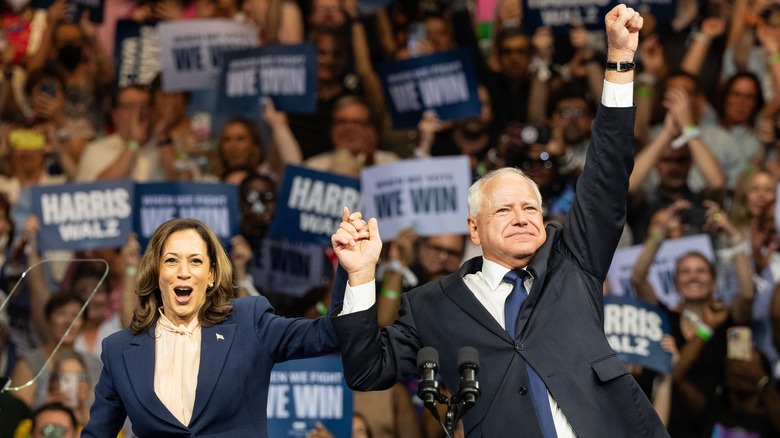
[358, 245]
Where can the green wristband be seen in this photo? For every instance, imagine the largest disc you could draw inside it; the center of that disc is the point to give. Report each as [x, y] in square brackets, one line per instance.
[391, 294]
[704, 331]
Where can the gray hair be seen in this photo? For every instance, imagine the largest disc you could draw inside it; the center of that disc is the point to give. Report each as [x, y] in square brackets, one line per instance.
[474, 199]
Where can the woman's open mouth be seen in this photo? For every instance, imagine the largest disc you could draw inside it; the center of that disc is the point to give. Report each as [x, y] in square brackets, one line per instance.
[183, 294]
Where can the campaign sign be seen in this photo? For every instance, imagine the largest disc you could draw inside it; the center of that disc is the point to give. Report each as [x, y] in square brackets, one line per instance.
[445, 82]
[83, 216]
[661, 275]
[76, 9]
[589, 13]
[285, 73]
[216, 205]
[289, 268]
[304, 392]
[370, 7]
[136, 53]
[311, 204]
[427, 194]
[193, 50]
[634, 329]
[662, 10]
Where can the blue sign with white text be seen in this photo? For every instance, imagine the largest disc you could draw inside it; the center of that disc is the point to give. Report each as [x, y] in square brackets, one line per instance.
[76, 8]
[305, 392]
[311, 204]
[137, 51]
[285, 73]
[588, 13]
[85, 215]
[444, 82]
[216, 205]
[634, 329]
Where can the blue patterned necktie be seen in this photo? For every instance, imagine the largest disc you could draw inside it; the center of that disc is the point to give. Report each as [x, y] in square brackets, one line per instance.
[514, 302]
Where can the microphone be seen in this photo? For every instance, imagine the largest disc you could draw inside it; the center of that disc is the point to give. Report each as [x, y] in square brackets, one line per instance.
[428, 364]
[468, 366]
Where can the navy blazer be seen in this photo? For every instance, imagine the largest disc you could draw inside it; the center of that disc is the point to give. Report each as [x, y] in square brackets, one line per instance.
[560, 325]
[236, 359]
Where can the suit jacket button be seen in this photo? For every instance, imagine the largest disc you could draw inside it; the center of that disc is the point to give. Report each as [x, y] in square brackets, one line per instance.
[522, 390]
[519, 346]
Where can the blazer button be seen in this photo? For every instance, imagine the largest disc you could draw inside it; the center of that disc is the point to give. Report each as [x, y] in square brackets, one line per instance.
[522, 390]
[519, 346]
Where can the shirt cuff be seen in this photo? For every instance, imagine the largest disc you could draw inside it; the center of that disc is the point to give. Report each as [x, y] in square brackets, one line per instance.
[618, 95]
[358, 298]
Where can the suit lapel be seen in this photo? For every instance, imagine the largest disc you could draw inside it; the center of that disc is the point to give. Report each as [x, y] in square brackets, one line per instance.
[139, 365]
[214, 346]
[455, 288]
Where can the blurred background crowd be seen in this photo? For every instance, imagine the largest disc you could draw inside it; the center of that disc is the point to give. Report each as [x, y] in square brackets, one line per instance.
[707, 140]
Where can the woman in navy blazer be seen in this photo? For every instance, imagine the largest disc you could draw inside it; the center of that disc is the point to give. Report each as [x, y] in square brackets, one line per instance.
[186, 276]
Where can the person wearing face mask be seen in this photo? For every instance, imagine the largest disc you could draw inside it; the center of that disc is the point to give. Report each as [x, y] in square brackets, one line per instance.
[72, 46]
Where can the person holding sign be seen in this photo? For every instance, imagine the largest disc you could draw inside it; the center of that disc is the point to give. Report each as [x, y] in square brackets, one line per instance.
[195, 361]
[700, 324]
[553, 373]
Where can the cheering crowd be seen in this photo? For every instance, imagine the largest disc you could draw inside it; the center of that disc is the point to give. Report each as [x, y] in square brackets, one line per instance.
[707, 133]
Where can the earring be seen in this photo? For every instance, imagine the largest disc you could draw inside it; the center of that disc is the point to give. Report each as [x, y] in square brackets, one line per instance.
[211, 285]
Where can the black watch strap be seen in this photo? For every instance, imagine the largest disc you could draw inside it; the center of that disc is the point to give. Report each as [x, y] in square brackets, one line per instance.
[621, 65]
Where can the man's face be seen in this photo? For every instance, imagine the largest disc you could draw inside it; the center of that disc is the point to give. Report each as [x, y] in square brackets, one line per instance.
[515, 56]
[573, 117]
[741, 100]
[133, 106]
[673, 167]
[438, 34]
[441, 254]
[237, 146]
[331, 59]
[509, 225]
[51, 420]
[258, 203]
[327, 13]
[352, 129]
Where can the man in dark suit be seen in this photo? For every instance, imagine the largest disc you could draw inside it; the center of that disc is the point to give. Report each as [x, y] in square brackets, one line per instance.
[553, 372]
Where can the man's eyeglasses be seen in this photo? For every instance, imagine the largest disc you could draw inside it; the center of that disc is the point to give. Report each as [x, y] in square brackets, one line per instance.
[571, 113]
[132, 105]
[358, 122]
[522, 51]
[257, 200]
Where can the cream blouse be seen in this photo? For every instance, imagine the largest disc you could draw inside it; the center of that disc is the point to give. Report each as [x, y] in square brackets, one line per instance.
[176, 365]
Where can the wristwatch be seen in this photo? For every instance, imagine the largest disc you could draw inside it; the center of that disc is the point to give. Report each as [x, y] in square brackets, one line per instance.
[621, 65]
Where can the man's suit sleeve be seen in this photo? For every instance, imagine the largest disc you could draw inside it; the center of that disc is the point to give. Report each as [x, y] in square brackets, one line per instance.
[595, 223]
[107, 414]
[376, 359]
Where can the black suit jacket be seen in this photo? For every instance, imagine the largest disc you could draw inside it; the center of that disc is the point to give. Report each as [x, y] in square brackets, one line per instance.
[560, 326]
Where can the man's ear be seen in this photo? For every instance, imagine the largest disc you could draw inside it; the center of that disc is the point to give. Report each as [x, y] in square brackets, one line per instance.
[471, 223]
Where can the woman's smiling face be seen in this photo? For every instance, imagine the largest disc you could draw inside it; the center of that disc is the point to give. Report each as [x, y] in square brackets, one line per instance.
[185, 273]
